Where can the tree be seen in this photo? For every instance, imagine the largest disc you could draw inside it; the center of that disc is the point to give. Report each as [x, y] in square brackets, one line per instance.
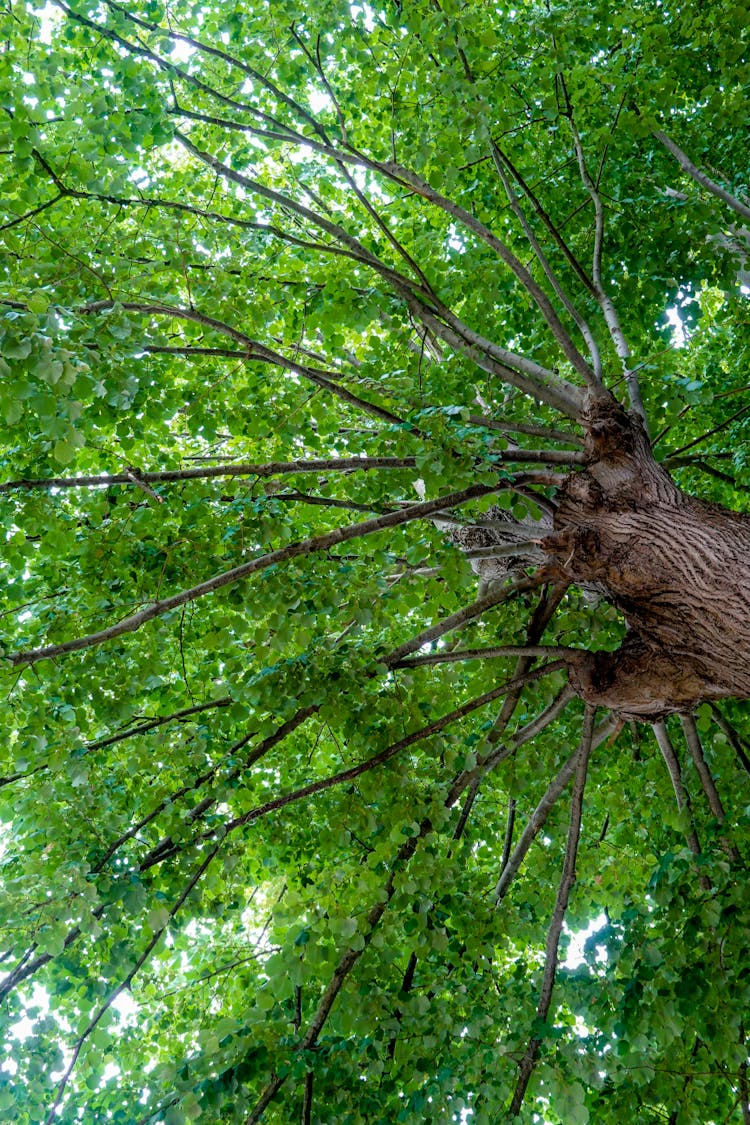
[375, 603]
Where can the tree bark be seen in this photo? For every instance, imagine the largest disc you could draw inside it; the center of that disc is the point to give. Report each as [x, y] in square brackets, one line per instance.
[677, 568]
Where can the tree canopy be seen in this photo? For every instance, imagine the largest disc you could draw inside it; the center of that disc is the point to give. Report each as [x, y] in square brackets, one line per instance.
[308, 810]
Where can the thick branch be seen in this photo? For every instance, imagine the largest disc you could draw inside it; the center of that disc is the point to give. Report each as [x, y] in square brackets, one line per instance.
[588, 336]
[421, 187]
[449, 657]
[606, 304]
[507, 427]
[696, 753]
[419, 299]
[537, 382]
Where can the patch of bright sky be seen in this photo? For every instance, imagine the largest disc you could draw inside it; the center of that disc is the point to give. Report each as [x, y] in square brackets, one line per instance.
[366, 13]
[24, 1027]
[181, 52]
[318, 100]
[49, 16]
[127, 1007]
[456, 241]
[679, 336]
[578, 939]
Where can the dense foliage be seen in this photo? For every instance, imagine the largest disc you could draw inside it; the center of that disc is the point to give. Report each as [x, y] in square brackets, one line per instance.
[249, 853]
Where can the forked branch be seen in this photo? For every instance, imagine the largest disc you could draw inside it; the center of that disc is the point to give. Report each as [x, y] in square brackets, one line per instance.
[350, 957]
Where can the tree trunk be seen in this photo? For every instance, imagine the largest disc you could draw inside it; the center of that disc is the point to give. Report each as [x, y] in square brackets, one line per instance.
[677, 568]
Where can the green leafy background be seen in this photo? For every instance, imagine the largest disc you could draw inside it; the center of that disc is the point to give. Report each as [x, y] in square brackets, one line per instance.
[218, 978]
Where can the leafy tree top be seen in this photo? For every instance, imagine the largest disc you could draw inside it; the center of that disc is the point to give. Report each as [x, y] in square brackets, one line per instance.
[305, 314]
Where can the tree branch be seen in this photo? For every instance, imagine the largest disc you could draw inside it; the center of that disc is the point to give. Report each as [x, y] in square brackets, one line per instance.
[419, 299]
[682, 798]
[700, 177]
[269, 469]
[166, 847]
[378, 759]
[739, 746]
[567, 878]
[695, 747]
[253, 566]
[537, 382]
[31, 214]
[341, 972]
[256, 350]
[405, 176]
[124, 985]
[606, 304]
[538, 818]
[496, 597]
[578, 320]
[486, 654]
[507, 427]
[508, 840]
[349, 959]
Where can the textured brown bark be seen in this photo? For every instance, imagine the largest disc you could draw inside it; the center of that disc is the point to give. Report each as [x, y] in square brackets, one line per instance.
[677, 568]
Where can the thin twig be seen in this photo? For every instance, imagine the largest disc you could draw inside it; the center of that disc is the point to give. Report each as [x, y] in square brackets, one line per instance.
[669, 458]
